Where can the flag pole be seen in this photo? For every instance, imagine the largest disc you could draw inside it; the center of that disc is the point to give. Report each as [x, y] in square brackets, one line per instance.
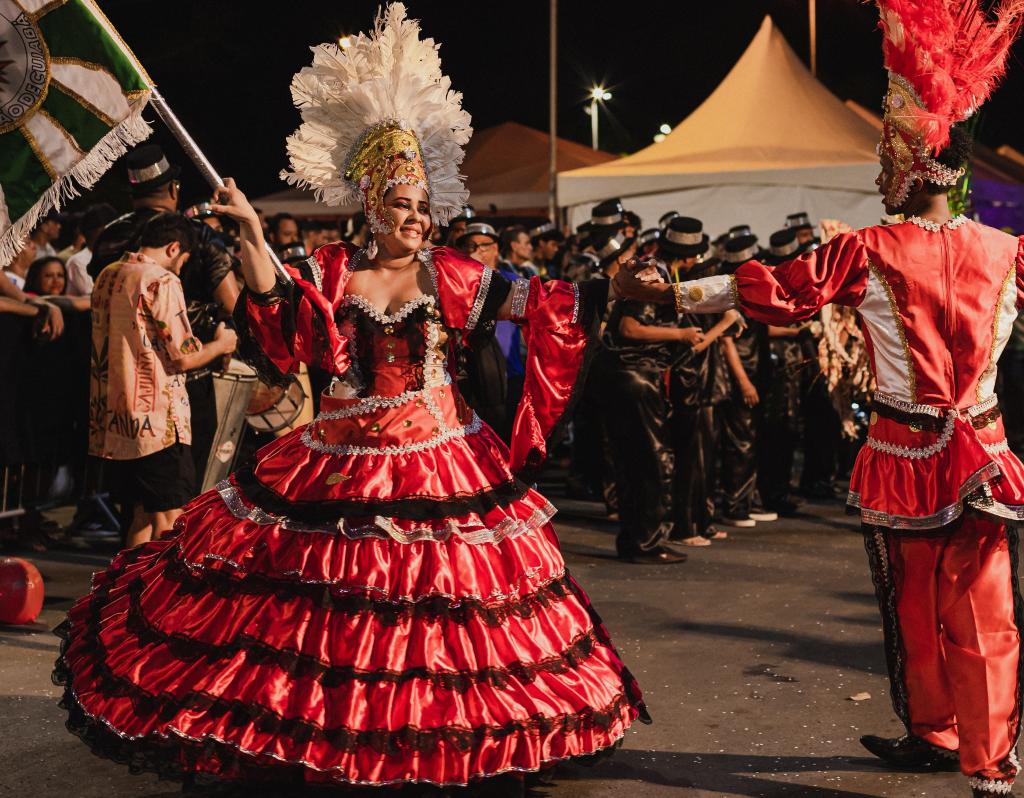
[199, 158]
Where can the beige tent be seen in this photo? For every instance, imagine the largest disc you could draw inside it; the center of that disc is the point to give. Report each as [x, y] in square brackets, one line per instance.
[770, 140]
[506, 166]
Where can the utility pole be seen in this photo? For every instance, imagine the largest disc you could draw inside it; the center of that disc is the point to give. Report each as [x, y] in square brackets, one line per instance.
[553, 115]
[812, 19]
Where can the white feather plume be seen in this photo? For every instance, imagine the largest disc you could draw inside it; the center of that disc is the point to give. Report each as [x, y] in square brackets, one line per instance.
[390, 75]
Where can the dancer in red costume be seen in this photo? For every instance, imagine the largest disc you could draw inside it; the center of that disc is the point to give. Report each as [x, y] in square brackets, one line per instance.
[381, 600]
[938, 491]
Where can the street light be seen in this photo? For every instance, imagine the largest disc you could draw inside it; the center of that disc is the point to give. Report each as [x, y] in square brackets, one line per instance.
[597, 94]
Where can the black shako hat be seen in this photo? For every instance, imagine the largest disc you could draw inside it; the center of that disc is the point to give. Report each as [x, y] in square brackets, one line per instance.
[477, 229]
[799, 221]
[684, 237]
[148, 167]
[738, 231]
[666, 218]
[741, 249]
[607, 217]
[610, 246]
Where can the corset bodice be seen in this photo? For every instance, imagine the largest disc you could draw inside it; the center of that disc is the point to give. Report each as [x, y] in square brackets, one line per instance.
[394, 353]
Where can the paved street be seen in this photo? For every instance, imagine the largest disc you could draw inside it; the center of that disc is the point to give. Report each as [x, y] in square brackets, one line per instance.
[748, 655]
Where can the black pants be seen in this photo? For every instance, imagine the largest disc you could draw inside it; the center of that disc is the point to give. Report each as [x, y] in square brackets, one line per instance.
[822, 434]
[738, 468]
[203, 404]
[776, 441]
[693, 486]
[637, 420]
[590, 465]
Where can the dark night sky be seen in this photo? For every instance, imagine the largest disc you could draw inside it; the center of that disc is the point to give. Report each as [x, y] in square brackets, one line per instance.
[225, 67]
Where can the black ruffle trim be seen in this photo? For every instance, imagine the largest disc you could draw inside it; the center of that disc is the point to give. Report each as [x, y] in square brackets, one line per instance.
[306, 666]
[388, 611]
[418, 508]
[240, 713]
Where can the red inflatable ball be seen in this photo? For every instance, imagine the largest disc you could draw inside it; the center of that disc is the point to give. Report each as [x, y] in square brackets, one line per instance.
[21, 591]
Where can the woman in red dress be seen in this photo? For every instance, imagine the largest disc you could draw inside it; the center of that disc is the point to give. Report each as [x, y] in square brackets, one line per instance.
[381, 600]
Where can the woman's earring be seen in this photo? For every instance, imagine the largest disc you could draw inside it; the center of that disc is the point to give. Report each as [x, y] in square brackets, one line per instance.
[371, 249]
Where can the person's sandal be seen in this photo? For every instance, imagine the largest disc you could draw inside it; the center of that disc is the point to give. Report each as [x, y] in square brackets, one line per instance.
[696, 540]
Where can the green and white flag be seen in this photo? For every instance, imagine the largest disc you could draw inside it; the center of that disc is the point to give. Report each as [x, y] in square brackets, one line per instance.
[71, 98]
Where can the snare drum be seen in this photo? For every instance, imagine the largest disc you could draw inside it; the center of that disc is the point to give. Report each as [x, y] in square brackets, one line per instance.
[233, 390]
[273, 409]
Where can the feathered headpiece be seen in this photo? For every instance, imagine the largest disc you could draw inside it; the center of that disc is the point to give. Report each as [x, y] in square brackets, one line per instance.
[378, 113]
[944, 59]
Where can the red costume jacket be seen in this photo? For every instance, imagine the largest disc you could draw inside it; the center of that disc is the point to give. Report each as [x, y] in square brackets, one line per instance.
[937, 305]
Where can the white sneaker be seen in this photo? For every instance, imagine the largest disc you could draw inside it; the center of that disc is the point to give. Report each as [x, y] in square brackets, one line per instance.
[764, 515]
[744, 523]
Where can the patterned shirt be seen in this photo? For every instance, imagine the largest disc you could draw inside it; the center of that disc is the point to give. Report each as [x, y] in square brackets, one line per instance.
[140, 333]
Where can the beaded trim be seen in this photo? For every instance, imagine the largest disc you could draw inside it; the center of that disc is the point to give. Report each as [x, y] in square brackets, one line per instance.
[931, 450]
[370, 404]
[575, 304]
[384, 528]
[520, 293]
[481, 297]
[900, 331]
[994, 786]
[734, 291]
[934, 227]
[907, 407]
[383, 318]
[934, 521]
[426, 257]
[1002, 447]
[318, 273]
[445, 433]
[983, 407]
[990, 369]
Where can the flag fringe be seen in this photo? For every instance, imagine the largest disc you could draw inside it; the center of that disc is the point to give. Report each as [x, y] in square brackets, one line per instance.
[81, 177]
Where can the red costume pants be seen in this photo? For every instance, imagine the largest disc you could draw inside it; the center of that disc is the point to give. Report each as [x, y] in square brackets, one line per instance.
[950, 609]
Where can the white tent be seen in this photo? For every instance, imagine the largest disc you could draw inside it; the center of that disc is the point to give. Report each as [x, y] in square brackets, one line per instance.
[769, 141]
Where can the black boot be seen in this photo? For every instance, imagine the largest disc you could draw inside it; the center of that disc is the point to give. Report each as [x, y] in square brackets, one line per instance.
[912, 753]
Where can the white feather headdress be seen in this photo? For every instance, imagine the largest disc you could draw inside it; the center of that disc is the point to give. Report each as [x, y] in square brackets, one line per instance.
[359, 107]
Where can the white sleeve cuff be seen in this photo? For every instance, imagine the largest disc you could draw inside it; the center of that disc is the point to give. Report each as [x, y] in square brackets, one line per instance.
[707, 295]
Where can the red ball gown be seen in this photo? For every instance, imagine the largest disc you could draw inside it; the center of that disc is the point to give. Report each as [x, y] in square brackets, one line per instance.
[380, 599]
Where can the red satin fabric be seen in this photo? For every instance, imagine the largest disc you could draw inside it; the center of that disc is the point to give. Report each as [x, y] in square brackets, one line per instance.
[555, 348]
[348, 654]
[961, 644]
[946, 288]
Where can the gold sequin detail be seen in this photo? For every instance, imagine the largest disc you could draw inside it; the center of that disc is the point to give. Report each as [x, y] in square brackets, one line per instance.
[696, 293]
[898, 321]
[873, 418]
[375, 428]
[991, 367]
[914, 427]
[336, 477]
[734, 290]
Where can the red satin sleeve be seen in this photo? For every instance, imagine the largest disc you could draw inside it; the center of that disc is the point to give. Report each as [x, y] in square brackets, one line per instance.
[297, 326]
[463, 286]
[556, 322]
[835, 272]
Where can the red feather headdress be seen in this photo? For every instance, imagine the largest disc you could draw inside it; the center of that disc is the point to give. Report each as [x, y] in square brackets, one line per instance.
[944, 58]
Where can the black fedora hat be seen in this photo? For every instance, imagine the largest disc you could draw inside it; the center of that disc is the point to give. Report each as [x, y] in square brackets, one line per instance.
[783, 246]
[799, 221]
[741, 249]
[148, 167]
[684, 237]
[607, 216]
[666, 218]
[293, 253]
[650, 236]
[738, 231]
[610, 246]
